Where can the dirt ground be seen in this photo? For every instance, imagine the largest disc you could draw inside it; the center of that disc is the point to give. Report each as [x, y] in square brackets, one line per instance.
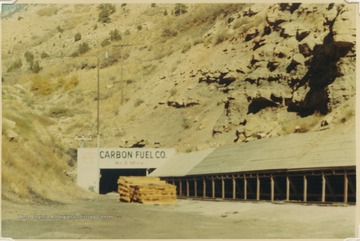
[104, 217]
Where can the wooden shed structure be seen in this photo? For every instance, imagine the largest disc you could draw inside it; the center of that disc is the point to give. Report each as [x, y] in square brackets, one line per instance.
[308, 167]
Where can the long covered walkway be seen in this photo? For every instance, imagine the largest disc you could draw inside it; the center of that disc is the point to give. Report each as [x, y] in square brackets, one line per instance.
[317, 167]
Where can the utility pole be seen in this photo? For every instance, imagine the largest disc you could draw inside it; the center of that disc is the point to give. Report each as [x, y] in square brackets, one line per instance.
[98, 103]
[122, 85]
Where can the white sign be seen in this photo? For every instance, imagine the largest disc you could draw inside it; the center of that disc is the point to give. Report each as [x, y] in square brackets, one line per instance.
[91, 160]
[133, 157]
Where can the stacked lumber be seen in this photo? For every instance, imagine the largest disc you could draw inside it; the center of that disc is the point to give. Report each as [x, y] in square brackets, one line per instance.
[146, 190]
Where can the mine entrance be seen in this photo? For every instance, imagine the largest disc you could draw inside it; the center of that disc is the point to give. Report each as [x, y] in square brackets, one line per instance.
[109, 177]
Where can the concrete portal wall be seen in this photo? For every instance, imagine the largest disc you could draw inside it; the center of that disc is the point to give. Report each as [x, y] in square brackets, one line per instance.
[91, 160]
[88, 171]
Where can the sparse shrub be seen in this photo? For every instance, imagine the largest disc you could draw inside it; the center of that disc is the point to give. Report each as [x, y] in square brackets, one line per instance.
[95, 26]
[105, 42]
[148, 69]
[127, 32]
[139, 27]
[60, 83]
[106, 10]
[186, 123]
[129, 81]
[71, 83]
[41, 85]
[166, 12]
[188, 150]
[29, 57]
[59, 111]
[83, 48]
[153, 5]
[17, 64]
[198, 41]
[36, 68]
[180, 9]
[44, 55]
[186, 47]
[348, 114]
[48, 11]
[173, 92]
[115, 35]
[220, 37]
[168, 33]
[77, 37]
[60, 29]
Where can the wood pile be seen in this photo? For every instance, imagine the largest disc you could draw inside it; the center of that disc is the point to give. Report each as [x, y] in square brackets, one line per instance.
[146, 190]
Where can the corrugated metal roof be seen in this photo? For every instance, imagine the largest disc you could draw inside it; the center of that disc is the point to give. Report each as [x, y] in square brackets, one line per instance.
[180, 164]
[308, 150]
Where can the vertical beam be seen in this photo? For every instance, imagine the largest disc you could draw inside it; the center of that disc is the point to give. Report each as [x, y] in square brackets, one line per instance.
[222, 187]
[287, 188]
[204, 187]
[180, 187]
[212, 187]
[257, 188]
[305, 189]
[195, 187]
[234, 187]
[346, 187]
[272, 184]
[323, 189]
[245, 188]
[187, 187]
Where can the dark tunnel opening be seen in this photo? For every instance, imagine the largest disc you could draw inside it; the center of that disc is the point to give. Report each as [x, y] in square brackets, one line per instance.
[109, 177]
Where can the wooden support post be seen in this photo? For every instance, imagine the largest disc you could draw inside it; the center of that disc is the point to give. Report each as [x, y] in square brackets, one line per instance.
[222, 188]
[305, 189]
[323, 189]
[245, 188]
[180, 188]
[212, 187]
[346, 188]
[257, 188]
[287, 188]
[234, 187]
[204, 187]
[187, 187]
[195, 187]
[272, 184]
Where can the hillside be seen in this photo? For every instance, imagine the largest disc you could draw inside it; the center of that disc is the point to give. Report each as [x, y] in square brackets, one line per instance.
[192, 77]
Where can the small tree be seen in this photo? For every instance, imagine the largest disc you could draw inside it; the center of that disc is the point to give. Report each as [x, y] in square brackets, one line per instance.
[106, 10]
[180, 8]
[83, 48]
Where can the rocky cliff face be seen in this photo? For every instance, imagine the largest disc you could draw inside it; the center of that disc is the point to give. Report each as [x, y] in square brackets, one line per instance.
[204, 77]
[296, 58]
